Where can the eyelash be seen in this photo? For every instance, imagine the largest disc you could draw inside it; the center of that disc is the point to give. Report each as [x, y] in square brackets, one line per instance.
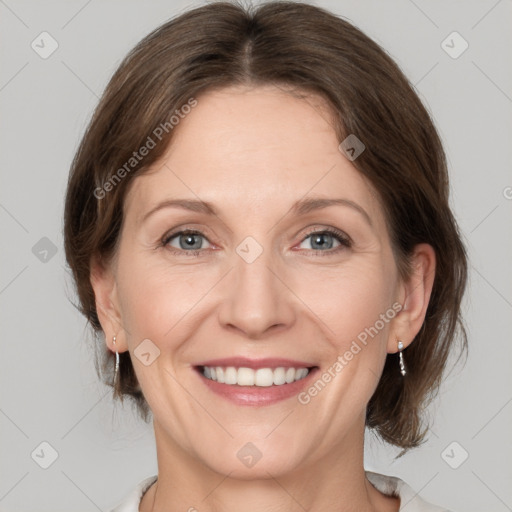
[342, 238]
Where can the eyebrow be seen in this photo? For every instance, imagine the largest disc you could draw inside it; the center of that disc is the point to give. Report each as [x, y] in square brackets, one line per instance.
[301, 207]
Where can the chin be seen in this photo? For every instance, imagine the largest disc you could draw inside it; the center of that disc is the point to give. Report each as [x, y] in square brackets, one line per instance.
[252, 460]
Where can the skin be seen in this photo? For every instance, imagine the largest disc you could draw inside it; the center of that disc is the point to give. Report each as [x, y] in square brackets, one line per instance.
[252, 153]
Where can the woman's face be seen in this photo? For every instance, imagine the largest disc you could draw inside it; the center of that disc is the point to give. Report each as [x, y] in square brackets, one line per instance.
[256, 282]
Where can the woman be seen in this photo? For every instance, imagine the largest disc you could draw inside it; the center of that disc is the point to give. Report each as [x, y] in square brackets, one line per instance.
[258, 226]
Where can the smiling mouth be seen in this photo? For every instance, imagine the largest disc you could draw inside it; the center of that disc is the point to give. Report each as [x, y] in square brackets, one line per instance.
[248, 377]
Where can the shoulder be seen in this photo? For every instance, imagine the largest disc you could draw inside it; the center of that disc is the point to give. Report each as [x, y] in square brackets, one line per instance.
[132, 500]
[410, 501]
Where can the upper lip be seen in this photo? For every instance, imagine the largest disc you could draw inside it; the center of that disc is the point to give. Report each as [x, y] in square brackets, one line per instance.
[246, 362]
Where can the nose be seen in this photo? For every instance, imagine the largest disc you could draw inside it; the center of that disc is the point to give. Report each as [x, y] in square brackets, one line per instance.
[257, 299]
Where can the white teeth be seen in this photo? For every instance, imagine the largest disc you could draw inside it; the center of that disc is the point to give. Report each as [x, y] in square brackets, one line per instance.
[279, 376]
[245, 377]
[300, 374]
[230, 375]
[262, 377]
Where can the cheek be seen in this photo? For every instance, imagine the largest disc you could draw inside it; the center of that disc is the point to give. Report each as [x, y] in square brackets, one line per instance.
[350, 298]
[349, 301]
[156, 298]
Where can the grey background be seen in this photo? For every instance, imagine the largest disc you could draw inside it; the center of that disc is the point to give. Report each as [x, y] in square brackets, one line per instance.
[49, 389]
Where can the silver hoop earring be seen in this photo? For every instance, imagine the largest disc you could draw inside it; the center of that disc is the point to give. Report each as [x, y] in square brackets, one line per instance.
[116, 369]
[402, 364]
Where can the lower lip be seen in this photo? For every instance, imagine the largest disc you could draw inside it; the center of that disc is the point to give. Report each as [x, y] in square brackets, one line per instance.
[258, 395]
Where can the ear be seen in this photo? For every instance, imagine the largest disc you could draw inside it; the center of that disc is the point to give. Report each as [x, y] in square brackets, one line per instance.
[414, 296]
[104, 285]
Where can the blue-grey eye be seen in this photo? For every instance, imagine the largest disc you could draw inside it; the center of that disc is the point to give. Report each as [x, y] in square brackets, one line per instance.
[321, 241]
[187, 240]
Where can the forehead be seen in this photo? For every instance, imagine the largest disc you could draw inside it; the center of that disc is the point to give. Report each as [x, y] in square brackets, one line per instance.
[252, 147]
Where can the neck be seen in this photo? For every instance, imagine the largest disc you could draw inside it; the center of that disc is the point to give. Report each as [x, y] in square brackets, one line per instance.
[335, 481]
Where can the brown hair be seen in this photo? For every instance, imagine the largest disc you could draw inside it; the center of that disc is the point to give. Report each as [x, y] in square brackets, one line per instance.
[306, 48]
